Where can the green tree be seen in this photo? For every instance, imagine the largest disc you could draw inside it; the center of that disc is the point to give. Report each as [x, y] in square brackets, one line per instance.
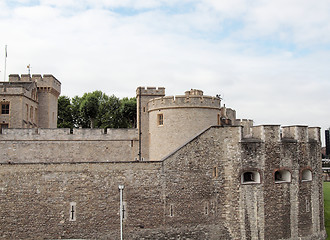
[89, 108]
[96, 109]
[128, 109]
[64, 119]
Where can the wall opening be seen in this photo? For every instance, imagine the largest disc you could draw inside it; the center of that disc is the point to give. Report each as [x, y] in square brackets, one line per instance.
[281, 176]
[206, 208]
[73, 212]
[306, 175]
[171, 211]
[160, 119]
[215, 172]
[5, 108]
[250, 177]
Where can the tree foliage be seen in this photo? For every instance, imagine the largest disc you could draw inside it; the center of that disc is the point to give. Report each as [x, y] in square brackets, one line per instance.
[96, 109]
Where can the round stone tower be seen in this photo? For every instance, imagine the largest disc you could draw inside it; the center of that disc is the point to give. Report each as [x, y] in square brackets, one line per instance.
[175, 120]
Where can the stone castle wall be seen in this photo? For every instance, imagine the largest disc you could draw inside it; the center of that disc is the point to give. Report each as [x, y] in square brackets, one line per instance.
[59, 145]
[196, 192]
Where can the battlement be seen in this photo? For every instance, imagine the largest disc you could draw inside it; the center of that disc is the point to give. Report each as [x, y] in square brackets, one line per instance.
[243, 121]
[276, 133]
[46, 82]
[150, 91]
[195, 101]
[63, 134]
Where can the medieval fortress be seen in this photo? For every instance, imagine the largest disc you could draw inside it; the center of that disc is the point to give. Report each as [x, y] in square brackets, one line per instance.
[190, 170]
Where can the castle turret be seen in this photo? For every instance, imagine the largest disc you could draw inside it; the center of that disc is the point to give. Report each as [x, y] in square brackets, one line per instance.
[49, 88]
[175, 120]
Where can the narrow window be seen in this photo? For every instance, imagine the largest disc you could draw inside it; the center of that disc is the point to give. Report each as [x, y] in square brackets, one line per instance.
[73, 211]
[219, 121]
[308, 205]
[144, 109]
[160, 119]
[250, 177]
[206, 208]
[31, 114]
[306, 175]
[27, 112]
[5, 108]
[36, 115]
[215, 172]
[282, 176]
[132, 143]
[171, 211]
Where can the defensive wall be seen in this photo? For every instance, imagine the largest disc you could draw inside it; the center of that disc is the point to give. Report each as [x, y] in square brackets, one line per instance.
[65, 145]
[218, 185]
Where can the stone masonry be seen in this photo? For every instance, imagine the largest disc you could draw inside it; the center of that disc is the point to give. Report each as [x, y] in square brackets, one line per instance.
[204, 175]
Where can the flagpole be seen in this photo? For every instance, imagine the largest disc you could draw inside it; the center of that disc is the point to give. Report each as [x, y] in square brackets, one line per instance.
[4, 78]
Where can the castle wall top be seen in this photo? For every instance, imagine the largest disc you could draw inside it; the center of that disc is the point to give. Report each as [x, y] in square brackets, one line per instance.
[274, 133]
[64, 134]
[195, 101]
[150, 91]
[45, 81]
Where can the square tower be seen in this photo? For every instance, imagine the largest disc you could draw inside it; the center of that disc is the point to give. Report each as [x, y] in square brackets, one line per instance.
[143, 96]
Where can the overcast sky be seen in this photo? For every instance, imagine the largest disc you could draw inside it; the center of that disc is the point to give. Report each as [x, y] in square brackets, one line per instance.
[269, 60]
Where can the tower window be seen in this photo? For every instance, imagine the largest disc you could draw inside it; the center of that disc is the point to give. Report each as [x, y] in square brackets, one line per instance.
[160, 119]
[281, 176]
[250, 177]
[5, 108]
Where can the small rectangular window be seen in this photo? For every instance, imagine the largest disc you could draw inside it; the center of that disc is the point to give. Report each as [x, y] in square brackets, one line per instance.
[215, 172]
[171, 211]
[31, 114]
[5, 108]
[206, 208]
[160, 119]
[27, 112]
[308, 205]
[36, 115]
[73, 212]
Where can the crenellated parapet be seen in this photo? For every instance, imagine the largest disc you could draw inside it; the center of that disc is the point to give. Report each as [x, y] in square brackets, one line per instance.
[276, 133]
[150, 91]
[191, 101]
[47, 83]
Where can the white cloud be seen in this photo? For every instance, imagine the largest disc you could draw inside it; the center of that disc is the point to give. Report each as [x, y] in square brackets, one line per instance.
[248, 53]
